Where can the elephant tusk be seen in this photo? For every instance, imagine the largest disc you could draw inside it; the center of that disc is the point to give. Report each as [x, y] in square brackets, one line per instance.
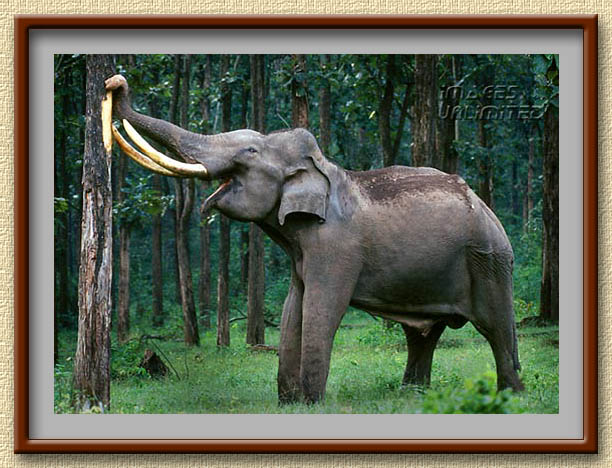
[177, 167]
[140, 158]
[107, 121]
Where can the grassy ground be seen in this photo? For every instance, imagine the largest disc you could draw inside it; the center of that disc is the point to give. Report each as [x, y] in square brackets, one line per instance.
[365, 377]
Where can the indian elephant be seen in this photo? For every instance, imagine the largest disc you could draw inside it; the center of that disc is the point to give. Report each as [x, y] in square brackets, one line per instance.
[412, 245]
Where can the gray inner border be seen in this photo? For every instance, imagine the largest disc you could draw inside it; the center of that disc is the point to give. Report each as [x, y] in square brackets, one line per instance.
[45, 424]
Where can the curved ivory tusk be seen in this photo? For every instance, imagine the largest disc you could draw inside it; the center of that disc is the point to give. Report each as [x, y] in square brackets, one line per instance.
[139, 157]
[107, 121]
[177, 167]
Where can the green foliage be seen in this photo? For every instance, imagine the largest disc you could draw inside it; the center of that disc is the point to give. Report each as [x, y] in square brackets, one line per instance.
[479, 396]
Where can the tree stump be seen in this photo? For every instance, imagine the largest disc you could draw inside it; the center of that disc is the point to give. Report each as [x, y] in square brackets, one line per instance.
[153, 364]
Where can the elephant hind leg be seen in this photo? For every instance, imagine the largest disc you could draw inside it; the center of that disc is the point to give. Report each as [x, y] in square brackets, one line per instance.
[420, 353]
[494, 319]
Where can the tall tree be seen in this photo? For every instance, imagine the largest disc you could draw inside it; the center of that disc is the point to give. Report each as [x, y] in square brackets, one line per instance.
[174, 212]
[325, 106]
[223, 334]
[185, 195]
[448, 123]
[425, 111]
[91, 374]
[123, 296]
[299, 92]
[256, 271]
[390, 147]
[485, 162]
[205, 273]
[549, 293]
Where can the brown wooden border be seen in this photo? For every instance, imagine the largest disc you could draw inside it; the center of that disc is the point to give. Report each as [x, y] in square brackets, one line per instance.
[589, 442]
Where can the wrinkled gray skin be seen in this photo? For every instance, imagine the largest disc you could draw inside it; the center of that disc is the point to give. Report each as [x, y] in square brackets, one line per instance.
[413, 245]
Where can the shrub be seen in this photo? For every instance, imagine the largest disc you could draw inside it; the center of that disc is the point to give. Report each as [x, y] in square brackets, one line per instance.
[479, 396]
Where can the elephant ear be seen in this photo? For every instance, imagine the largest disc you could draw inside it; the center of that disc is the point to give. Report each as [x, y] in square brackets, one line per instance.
[306, 187]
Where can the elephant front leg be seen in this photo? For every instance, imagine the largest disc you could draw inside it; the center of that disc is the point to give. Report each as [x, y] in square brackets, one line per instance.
[323, 308]
[290, 346]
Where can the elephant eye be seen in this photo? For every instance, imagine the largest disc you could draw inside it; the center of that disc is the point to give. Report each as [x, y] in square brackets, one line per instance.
[251, 150]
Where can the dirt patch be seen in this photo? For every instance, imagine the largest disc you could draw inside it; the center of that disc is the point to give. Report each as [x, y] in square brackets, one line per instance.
[389, 183]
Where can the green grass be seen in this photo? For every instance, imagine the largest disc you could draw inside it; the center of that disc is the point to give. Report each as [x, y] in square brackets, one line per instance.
[365, 377]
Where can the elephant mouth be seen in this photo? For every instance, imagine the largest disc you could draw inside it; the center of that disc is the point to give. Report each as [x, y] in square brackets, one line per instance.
[225, 187]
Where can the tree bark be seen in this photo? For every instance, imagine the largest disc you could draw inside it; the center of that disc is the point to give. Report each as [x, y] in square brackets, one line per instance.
[256, 270]
[223, 335]
[91, 374]
[299, 93]
[205, 272]
[549, 293]
[425, 111]
[384, 113]
[448, 120]
[185, 194]
[123, 296]
[485, 163]
[325, 109]
[157, 285]
[156, 261]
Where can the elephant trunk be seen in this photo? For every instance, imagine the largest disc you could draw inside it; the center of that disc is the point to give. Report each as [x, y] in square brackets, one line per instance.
[211, 153]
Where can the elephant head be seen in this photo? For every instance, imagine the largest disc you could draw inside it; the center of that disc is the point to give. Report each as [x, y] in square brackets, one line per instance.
[262, 175]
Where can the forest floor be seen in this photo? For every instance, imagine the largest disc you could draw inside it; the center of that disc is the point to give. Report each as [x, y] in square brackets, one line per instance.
[367, 366]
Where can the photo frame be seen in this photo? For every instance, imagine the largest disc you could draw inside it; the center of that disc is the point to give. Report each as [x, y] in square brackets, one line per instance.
[28, 365]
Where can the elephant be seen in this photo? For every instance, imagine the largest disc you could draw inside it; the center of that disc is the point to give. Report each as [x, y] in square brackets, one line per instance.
[412, 245]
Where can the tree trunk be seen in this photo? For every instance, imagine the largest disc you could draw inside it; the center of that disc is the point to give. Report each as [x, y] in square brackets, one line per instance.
[299, 93]
[156, 261]
[205, 273]
[91, 374]
[175, 212]
[256, 270]
[485, 163]
[157, 285]
[529, 191]
[324, 109]
[425, 111]
[448, 119]
[123, 296]
[185, 194]
[549, 293]
[205, 276]
[244, 257]
[223, 335]
[384, 113]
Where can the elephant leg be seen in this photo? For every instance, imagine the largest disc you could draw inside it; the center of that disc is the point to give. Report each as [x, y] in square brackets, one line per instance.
[325, 302]
[494, 319]
[420, 354]
[290, 346]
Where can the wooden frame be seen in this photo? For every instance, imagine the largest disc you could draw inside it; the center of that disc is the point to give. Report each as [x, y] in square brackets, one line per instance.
[25, 24]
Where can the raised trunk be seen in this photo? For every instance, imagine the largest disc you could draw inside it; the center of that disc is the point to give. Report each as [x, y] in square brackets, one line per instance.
[91, 374]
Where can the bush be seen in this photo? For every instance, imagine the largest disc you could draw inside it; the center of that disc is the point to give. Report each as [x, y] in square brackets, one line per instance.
[478, 397]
